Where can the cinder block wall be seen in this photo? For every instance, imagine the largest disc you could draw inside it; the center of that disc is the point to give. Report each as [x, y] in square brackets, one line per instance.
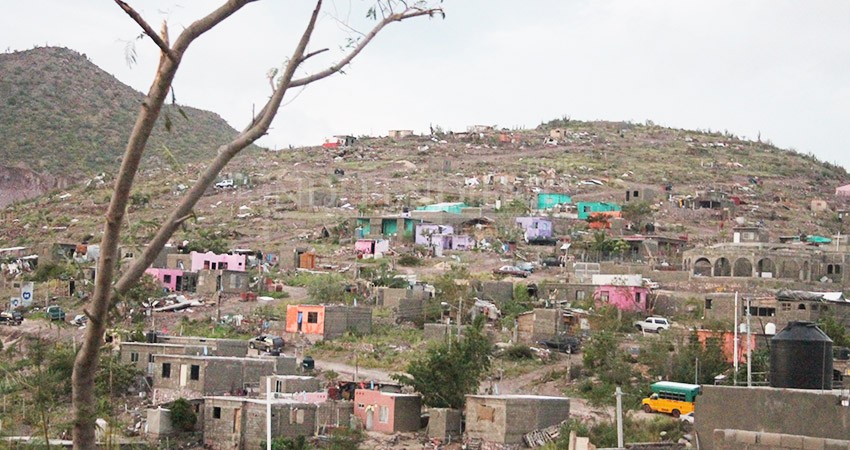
[755, 440]
[408, 413]
[817, 414]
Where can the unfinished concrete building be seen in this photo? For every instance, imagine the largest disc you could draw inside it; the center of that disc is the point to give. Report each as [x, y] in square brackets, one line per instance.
[740, 418]
[404, 304]
[504, 419]
[792, 262]
[191, 377]
[141, 354]
[239, 423]
[770, 313]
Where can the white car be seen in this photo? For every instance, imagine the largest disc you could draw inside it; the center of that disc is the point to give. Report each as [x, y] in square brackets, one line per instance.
[653, 324]
[648, 283]
[224, 184]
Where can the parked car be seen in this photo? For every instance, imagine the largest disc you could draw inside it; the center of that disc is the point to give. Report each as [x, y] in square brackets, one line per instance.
[511, 270]
[653, 324]
[526, 266]
[266, 342]
[224, 184]
[79, 320]
[563, 343]
[11, 318]
[649, 284]
[55, 312]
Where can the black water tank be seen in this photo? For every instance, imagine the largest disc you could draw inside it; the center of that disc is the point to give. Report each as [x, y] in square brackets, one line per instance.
[150, 337]
[801, 357]
[308, 363]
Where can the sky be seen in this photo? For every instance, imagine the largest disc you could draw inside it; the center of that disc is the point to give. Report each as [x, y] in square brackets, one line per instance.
[774, 69]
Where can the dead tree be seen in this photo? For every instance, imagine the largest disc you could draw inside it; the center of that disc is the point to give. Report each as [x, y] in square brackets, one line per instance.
[107, 289]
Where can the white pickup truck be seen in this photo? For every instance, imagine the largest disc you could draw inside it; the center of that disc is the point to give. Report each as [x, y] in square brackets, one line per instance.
[653, 324]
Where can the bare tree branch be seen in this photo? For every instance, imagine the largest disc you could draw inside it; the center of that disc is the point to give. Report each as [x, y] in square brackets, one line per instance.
[312, 54]
[147, 29]
[363, 43]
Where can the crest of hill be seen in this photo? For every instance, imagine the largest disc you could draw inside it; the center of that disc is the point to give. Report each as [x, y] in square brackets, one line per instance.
[62, 115]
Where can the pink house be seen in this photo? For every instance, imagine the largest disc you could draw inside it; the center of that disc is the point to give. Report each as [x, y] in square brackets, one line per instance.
[626, 298]
[843, 191]
[387, 412]
[211, 261]
[170, 279]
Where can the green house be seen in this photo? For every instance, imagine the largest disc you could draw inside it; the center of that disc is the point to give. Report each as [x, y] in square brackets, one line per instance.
[546, 201]
[452, 208]
[586, 209]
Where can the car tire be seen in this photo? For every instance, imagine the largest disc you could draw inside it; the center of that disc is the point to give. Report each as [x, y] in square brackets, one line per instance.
[647, 409]
[676, 413]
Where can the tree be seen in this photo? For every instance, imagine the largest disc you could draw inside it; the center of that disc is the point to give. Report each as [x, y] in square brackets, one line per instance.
[450, 370]
[384, 12]
[708, 355]
[835, 330]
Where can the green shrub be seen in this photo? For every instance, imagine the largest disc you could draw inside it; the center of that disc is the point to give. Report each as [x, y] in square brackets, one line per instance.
[518, 352]
[183, 415]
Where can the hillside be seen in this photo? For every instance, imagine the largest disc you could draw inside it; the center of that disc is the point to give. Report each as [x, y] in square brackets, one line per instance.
[63, 117]
[382, 175]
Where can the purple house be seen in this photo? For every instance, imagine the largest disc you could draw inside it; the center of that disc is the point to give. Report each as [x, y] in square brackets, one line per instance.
[442, 236]
[535, 227]
[211, 261]
[170, 279]
[625, 298]
[426, 233]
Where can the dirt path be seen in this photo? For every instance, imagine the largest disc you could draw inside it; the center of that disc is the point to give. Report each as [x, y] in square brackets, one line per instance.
[347, 372]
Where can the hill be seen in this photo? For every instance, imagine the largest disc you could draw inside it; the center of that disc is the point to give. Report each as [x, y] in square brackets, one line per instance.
[774, 187]
[64, 119]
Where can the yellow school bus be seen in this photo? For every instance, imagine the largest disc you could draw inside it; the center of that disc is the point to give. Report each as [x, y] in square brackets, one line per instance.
[671, 397]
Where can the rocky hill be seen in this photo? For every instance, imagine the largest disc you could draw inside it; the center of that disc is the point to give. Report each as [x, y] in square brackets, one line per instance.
[292, 194]
[63, 119]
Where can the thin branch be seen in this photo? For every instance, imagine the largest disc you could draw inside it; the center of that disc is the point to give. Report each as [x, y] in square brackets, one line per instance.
[364, 42]
[147, 29]
[312, 54]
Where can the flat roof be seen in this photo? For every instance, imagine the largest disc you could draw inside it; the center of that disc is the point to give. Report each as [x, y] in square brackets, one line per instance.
[261, 401]
[518, 396]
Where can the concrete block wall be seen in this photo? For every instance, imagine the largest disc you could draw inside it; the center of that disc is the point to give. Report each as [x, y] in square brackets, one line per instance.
[291, 384]
[726, 439]
[497, 292]
[334, 413]
[339, 319]
[816, 414]
[444, 423]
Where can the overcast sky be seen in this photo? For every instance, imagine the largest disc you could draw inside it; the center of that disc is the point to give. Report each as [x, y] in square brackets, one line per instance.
[778, 68]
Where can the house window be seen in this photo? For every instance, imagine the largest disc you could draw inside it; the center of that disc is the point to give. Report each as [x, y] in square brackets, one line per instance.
[166, 370]
[580, 295]
[801, 306]
[786, 306]
[134, 357]
[824, 308]
[708, 303]
[206, 265]
[636, 194]
[150, 357]
[761, 311]
[383, 414]
[487, 413]
[312, 317]
[222, 265]
[180, 265]
[195, 372]
[603, 296]
[166, 278]
[278, 386]
[216, 412]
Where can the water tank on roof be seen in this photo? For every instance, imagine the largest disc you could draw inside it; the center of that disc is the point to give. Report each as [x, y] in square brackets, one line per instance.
[150, 337]
[801, 357]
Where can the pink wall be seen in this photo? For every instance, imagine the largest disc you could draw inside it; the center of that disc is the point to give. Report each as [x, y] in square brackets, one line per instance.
[626, 298]
[366, 400]
[211, 261]
[162, 274]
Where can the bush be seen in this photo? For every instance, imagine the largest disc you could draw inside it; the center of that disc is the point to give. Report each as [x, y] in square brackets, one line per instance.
[518, 352]
[183, 415]
[409, 261]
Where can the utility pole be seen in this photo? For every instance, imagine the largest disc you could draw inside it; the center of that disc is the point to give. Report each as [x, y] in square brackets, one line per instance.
[619, 394]
[696, 370]
[268, 413]
[735, 348]
[749, 356]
